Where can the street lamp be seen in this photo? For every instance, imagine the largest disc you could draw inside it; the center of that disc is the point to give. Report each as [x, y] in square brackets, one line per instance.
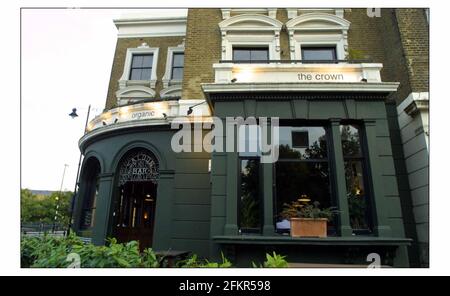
[191, 108]
[74, 113]
[58, 198]
[72, 207]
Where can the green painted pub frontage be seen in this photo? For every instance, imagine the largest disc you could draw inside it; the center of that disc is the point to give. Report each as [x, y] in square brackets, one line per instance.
[351, 169]
[136, 188]
[338, 139]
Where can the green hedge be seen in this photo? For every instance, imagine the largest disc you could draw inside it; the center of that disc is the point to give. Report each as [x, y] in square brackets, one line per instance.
[58, 252]
[53, 252]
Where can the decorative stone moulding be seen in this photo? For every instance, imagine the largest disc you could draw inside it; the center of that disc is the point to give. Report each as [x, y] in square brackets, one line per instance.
[171, 92]
[138, 26]
[318, 29]
[417, 102]
[133, 94]
[250, 30]
[229, 12]
[294, 12]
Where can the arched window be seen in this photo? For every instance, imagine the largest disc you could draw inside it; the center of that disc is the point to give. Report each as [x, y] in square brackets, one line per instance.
[138, 166]
[91, 184]
[319, 35]
[254, 31]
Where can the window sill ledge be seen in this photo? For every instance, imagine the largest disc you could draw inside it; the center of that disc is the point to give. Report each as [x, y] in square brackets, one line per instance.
[328, 241]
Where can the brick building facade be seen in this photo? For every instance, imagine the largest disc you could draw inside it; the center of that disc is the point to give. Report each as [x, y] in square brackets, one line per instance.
[368, 86]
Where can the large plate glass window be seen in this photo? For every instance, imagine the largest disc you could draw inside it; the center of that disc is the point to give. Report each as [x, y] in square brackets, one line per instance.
[302, 171]
[250, 204]
[91, 181]
[356, 179]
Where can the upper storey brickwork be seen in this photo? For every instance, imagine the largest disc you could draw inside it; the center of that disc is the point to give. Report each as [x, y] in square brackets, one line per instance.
[148, 62]
[118, 67]
[398, 39]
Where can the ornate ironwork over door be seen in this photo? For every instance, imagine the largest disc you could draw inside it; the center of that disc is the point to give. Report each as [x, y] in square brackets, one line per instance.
[139, 166]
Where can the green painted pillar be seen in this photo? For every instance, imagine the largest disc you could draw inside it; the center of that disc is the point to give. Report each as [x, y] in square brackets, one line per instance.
[76, 215]
[382, 227]
[267, 190]
[231, 227]
[401, 258]
[103, 209]
[267, 179]
[338, 170]
[164, 206]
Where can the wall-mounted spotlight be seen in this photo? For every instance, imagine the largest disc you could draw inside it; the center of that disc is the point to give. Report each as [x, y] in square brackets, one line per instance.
[116, 120]
[165, 115]
[104, 122]
[233, 80]
[364, 80]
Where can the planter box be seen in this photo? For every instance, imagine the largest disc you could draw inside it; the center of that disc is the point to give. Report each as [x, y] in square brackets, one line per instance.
[307, 227]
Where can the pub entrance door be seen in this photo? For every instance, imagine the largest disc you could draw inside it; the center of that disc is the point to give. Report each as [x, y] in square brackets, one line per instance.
[135, 205]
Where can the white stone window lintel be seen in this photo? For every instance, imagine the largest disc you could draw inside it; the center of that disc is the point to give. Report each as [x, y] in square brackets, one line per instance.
[318, 29]
[250, 30]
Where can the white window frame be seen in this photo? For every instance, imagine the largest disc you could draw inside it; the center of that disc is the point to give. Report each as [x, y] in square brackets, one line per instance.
[294, 12]
[265, 34]
[167, 78]
[334, 32]
[270, 12]
[124, 81]
[252, 42]
[320, 41]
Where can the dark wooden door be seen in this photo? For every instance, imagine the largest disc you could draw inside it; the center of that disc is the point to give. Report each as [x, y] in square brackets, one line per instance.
[134, 215]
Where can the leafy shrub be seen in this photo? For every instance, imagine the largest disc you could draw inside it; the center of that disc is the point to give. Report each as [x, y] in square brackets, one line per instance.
[194, 261]
[275, 261]
[42, 252]
[54, 252]
[28, 248]
[302, 209]
[36, 208]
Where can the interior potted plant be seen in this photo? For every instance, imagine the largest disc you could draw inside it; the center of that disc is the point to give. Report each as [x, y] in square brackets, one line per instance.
[307, 220]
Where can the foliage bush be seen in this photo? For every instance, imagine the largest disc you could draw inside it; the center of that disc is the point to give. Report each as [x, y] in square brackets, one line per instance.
[302, 209]
[55, 252]
[275, 261]
[194, 261]
[41, 209]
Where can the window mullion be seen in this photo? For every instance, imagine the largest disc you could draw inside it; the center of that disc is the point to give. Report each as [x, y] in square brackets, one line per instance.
[338, 171]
